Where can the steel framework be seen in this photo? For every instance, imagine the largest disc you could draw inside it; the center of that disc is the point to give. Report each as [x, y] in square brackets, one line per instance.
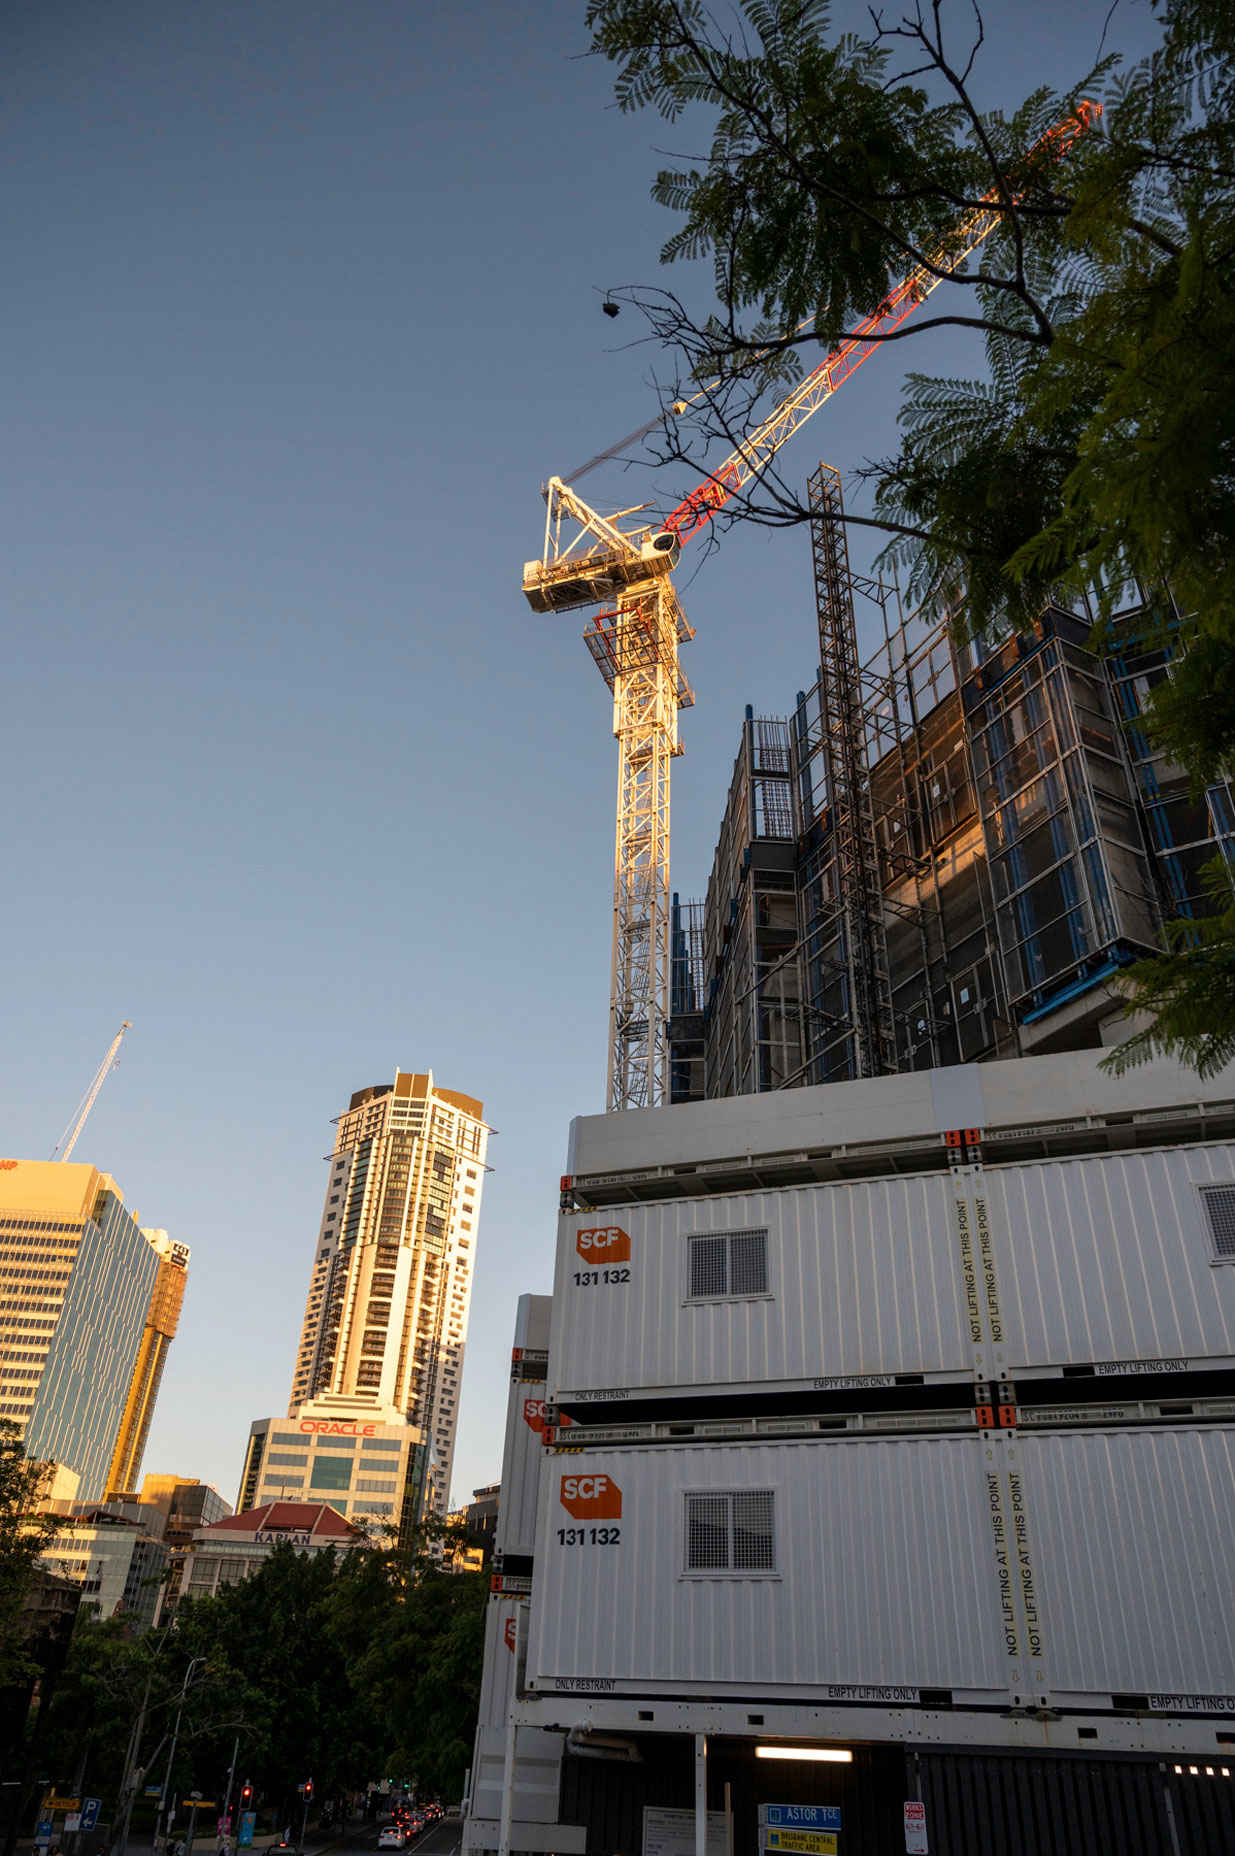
[636, 647]
[850, 876]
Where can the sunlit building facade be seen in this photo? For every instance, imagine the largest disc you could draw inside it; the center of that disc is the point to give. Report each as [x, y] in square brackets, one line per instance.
[365, 1459]
[86, 1316]
[386, 1318]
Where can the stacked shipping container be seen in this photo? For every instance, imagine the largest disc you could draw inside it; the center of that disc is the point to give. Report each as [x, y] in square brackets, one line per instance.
[939, 1458]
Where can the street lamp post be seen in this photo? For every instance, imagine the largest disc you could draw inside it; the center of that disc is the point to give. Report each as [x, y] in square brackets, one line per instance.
[167, 1776]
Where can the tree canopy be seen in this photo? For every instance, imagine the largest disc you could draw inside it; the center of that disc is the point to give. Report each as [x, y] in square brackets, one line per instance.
[343, 1668]
[1094, 444]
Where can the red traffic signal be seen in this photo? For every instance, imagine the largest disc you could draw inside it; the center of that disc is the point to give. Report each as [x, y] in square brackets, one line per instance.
[308, 1791]
[246, 1797]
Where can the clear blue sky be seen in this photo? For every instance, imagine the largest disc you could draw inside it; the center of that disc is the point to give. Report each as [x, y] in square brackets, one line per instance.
[301, 305]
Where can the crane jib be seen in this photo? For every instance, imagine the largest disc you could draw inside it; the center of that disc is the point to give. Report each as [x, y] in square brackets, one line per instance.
[701, 505]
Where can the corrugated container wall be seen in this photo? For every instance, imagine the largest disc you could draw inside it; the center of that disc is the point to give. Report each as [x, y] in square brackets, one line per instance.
[1101, 1258]
[1005, 1571]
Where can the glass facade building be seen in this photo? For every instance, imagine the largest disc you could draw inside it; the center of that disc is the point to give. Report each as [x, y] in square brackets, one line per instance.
[80, 1286]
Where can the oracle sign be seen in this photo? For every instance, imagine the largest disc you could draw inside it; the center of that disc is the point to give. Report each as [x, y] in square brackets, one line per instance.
[606, 1243]
[591, 1498]
[327, 1427]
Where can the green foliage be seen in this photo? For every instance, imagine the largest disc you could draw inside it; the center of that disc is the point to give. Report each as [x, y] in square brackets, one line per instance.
[24, 1536]
[334, 1666]
[1187, 991]
[1096, 447]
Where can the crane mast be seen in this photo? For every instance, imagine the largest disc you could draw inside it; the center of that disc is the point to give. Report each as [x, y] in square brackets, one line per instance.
[626, 566]
[87, 1103]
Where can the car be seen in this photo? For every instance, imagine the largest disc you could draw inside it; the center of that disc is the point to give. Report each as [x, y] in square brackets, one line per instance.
[394, 1837]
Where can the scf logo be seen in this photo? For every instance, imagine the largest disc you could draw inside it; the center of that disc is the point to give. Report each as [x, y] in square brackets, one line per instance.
[591, 1498]
[606, 1243]
[510, 1631]
[534, 1415]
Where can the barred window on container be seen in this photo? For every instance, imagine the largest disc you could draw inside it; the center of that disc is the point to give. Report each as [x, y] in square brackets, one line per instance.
[1219, 1203]
[730, 1531]
[729, 1263]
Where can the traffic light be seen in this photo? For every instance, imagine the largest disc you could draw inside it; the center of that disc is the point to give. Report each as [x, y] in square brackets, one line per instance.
[308, 1791]
[246, 1797]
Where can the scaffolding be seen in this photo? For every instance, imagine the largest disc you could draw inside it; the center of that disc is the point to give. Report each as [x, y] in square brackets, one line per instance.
[945, 855]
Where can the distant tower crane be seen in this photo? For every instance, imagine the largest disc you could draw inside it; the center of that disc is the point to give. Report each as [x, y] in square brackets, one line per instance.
[87, 1102]
[636, 639]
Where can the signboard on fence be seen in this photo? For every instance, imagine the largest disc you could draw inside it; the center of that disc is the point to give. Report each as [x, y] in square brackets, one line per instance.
[672, 1833]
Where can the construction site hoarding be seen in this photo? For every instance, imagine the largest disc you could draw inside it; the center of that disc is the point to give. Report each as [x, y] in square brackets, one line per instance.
[1113, 1262]
[1085, 1570]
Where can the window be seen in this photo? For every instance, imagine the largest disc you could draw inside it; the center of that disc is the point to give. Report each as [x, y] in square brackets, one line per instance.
[367, 1485]
[332, 1472]
[1219, 1203]
[730, 1531]
[730, 1263]
[286, 1460]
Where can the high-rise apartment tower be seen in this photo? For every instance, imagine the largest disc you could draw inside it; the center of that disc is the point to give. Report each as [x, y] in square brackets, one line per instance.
[387, 1309]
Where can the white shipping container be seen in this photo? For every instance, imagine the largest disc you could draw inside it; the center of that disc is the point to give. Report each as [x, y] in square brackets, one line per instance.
[497, 1683]
[515, 1533]
[1039, 1568]
[516, 1514]
[1096, 1260]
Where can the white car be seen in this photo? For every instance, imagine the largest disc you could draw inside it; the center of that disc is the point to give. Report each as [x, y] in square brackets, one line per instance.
[392, 1838]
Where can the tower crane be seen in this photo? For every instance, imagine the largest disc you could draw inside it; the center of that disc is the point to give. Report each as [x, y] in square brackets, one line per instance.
[84, 1107]
[625, 566]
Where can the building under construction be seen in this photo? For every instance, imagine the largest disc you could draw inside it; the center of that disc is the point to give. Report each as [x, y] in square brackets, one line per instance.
[946, 853]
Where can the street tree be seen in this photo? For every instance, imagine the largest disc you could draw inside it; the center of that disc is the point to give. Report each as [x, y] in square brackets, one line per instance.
[25, 1535]
[1093, 446]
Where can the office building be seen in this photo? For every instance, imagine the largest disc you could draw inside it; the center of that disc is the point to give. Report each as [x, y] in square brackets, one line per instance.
[900, 1468]
[386, 1317]
[117, 1558]
[86, 1315]
[183, 1504]
[226, 1551]
[162, 1320]
[362, 1457]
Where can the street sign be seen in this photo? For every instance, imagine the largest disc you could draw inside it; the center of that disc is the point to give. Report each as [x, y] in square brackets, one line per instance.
[800, 1816]
[90, 1808]
[154, 1791]
[200, 1804]
[44, 1830]
[72, 1820]
[800, 1842]
[64, 1804]
[915, 1828]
